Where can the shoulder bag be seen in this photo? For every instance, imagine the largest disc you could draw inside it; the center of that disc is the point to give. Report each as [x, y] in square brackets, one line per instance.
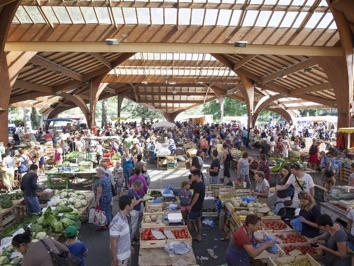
[288, 203]
[64, 258]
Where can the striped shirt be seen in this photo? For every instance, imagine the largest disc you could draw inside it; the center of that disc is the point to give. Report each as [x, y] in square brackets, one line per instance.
[119, 229]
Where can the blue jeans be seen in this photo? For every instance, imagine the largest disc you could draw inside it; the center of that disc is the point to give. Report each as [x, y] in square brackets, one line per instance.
[32, 205]
[152, 157]
[106, 207]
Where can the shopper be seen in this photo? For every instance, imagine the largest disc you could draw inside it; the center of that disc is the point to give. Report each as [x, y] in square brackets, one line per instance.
[301, 182]
[313, 155]
[226, 162]
[35, 253]
[103, 193]
[8, 175]
[119, 231]
[128, 165]
[308, 215]
[75, 247]
[29, 186]
[242, 246]
[137, 175]
[335, 247]
[184, 196]
[196, 206]
[243, 169]
[137, 208]
[214, 168]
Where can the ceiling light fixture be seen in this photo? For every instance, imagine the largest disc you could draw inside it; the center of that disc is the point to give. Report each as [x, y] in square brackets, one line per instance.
[144, 82]
[112, 42]
[242, 44]
[171, 82]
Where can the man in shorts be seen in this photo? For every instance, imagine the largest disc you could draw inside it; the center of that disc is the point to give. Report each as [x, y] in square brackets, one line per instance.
[196, 206]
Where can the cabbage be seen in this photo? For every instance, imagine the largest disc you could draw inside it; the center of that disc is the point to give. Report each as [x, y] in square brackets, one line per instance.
[83, 202]
[4, 260]
[78, 204]
[41, 235]
[40, 220]
[71, 216]
[58, 227]
[81, 196]
[66, 222]
[36, 228]
[72, 200]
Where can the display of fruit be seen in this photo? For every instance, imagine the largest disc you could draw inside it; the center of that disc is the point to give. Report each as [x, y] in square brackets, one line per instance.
[305, 249]
[297, 262]
[153, 218]
[146, 234]
[275, 225]
[290, 238]
[181, 234]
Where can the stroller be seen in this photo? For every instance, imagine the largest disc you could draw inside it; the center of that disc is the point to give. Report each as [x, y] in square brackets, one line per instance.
[287, 214]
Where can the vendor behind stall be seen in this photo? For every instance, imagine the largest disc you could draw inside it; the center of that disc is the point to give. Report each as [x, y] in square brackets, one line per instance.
[262, 187]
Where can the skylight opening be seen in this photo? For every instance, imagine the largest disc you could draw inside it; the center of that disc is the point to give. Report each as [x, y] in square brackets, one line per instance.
[288, 20]
[35, 15]
[103, 15]
[130, 15]
[276, 19]
[170, 16]
[89, 15]
[210, 17]
[184, 16]
[224, 17]
[75, 14]
[326, 20]
[313, 21]
[197, 16]
[250, 18]
[62, 15]
[263, 18]
[22, 15]
[143, 16]
[157, 16]
[299, 19]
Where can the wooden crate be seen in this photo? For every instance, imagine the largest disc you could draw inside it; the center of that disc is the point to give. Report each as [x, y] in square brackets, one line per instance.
[182, 227]
[288, 259]
[151, 208]
[282, 237]
[20, 211]
[265, 255]
[160, 243]
[267, 219]
[7, 218]
[145, 225]
[316, 254]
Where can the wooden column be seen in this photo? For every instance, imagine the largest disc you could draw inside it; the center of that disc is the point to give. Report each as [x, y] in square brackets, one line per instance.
[170, 117]
[96, 88]
[247, 90]
[121, 97]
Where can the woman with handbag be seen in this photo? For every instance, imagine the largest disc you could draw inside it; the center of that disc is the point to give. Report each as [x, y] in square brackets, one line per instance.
[308, 215]
[36, 253]
[103, 193]
[286, 195]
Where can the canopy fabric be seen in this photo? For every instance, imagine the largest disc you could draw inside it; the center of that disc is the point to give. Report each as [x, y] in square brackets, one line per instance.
[118, 118]
[163, 124]
[346, 129]
[58, 120]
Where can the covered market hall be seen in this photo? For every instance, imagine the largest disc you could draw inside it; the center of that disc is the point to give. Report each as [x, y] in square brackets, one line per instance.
[174, 55]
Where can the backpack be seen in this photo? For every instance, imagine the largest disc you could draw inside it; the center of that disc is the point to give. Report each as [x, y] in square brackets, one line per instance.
[312, 150]
[23, 168]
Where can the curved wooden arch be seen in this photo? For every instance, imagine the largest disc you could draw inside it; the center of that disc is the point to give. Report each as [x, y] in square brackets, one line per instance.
[263, 103]
[284, 113]
[79, 102]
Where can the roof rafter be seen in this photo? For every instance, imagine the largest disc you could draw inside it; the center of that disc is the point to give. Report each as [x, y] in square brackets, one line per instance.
[32, 86]
[313, 88]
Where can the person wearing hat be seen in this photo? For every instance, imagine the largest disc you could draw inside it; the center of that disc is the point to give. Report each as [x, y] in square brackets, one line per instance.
[301, 181]
[75, 247]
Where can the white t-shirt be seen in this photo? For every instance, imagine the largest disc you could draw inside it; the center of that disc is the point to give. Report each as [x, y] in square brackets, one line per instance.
[306, 183]
[350, 216]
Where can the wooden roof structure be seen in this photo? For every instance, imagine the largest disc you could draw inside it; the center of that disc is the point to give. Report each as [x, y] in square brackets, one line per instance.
[173, 55]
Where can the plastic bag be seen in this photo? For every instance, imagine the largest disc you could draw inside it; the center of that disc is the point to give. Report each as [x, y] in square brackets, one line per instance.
[296, 224]
[273, 249]
[91, 215]
[100, 217]
[178, 248]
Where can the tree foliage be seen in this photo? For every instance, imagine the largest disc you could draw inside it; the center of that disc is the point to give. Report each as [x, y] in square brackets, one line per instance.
[231, 108]
[104, 112]
[134, 110]
[35, 118]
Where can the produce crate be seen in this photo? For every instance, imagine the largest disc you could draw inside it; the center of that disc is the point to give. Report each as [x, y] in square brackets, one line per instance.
[287, 237]
[7, 218]
[305, 248]
[265, 255]
[159, 243]
[269, 223]
[151, 207]
[145, 224]
[187, 240]
[20, 211]
[293, 260]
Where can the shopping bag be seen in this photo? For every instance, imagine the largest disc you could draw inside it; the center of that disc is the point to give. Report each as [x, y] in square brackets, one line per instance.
[100, 217]
[91, 215]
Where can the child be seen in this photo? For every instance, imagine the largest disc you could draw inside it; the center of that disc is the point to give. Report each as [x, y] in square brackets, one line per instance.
[75, 247]
[184, 195]
[119, 179]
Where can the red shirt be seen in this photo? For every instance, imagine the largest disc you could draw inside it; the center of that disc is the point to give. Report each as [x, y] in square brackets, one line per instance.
[241, 238]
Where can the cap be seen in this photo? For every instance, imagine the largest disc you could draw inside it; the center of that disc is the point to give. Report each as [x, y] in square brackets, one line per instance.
[71, 231]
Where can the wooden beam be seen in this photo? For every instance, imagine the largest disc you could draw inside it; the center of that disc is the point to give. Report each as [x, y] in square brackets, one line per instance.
[6, 2]
[27, 96]
[289, 70]
[244, 61]
[171, 101]
[315, 99]
[32, 86]
[302, 107]
[97, 47]
[45, 63]
[313, 88]
[101, 59]
[158, 79]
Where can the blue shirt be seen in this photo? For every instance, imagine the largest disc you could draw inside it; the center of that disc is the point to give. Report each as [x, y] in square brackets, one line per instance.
[78, 249]
[132, 193]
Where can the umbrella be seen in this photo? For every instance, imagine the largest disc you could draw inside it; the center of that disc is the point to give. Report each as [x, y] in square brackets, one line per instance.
[57, 120]
[163, 124]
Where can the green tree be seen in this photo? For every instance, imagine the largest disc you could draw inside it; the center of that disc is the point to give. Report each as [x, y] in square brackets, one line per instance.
[104, 112]
[35, 118]
[134, 110]
[231, 108]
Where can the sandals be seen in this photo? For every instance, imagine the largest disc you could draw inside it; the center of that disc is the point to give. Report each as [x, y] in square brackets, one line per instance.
[102, 228]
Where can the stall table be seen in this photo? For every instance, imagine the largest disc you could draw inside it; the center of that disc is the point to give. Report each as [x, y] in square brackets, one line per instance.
[158, 256]
[67, 175]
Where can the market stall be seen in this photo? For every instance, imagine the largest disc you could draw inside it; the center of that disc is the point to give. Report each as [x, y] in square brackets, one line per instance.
[57, 179]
